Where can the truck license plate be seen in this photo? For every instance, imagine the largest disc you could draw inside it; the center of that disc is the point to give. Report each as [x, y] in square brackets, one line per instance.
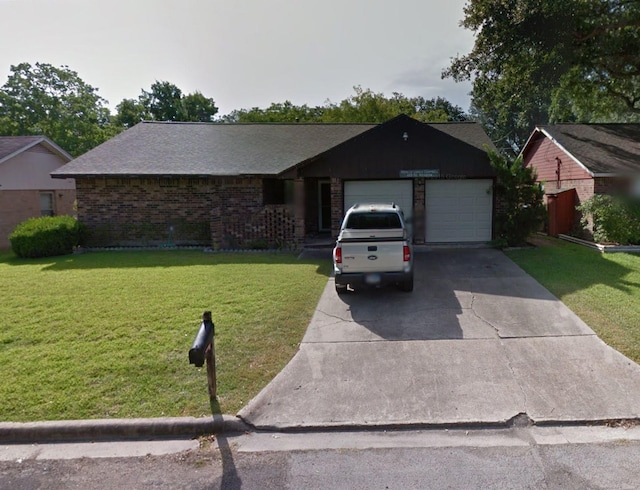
[372, 278]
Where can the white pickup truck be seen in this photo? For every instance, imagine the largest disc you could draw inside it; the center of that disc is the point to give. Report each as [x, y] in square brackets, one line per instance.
[373, 248]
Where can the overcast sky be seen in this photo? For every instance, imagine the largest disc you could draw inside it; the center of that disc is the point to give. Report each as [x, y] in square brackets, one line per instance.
[243, 53]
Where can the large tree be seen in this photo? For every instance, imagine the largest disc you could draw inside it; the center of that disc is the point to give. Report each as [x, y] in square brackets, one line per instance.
[165, 102]
[196, 107]
[560, 60]
[277, 112]
[130, 112]
[364, 106]
[55, 102]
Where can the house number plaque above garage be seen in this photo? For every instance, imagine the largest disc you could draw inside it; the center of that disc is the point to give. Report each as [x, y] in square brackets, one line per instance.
[433, 173]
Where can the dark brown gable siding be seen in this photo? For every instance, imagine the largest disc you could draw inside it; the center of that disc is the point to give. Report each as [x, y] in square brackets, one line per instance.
[542, 156]
[382, 152]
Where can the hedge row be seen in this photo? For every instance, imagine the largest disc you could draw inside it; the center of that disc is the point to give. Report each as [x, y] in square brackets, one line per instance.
[46, 236]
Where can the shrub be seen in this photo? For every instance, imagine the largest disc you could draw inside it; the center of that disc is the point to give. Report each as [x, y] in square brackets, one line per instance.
[258, 244]
[46, 236]
[521, 211]
[615, 219]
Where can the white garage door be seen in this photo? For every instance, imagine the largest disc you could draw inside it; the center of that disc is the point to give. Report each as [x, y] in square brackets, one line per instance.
[380, 191]
[458, 210]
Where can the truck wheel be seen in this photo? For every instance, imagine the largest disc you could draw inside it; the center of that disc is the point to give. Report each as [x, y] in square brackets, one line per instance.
[407, 286]
[341, 288]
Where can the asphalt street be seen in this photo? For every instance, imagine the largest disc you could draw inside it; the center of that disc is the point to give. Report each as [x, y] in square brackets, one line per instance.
[519, 458]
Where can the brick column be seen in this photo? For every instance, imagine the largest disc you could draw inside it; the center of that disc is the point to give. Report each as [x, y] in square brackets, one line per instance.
[337, 204]
[216, 222]
[418, 211]
[299, 201]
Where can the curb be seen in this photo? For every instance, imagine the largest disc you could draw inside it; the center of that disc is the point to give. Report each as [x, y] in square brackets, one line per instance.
[518, 421]
[113, 429]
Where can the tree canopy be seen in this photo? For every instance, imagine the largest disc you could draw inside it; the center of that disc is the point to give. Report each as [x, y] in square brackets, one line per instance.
[56, 102]
[523, 211]
[364, 106]
[42, 99]
[165, 102]
[558, 60]
[130, 112]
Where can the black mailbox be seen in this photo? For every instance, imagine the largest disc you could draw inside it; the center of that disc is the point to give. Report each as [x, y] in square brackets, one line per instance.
[203, 339]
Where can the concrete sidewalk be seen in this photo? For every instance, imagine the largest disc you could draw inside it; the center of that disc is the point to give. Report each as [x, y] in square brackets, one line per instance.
[477, 342]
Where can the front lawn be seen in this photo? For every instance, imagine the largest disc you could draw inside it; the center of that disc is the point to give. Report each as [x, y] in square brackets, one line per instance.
[106, 334]
[602, 289]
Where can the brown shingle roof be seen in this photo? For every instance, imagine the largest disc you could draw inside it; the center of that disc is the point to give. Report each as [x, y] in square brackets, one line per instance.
[169, 148]
[601, 148]
[12, 144]
[206, 149]
[469, 132]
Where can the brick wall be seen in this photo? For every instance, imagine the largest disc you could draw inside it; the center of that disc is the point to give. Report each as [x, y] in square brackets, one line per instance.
[280, 227]
[144, 212]
[499, 207]
[65, 201]
[299, 212]
[337, 204]
[219, 212]
[20, 205]
[584, 188]
[418, 211]
[611, 185]
[241, 220]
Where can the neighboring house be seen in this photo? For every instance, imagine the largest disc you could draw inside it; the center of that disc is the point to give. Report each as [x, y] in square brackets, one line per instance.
[247, 185]
[576, 161]
[26, 187]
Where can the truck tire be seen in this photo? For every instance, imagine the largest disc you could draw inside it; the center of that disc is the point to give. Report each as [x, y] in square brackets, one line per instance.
[407, 286]
[341, 289]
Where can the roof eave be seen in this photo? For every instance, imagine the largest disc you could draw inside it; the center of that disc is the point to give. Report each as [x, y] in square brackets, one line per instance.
[156, 176]
[41, 140]
[52, 146]
[529, 139]
[608, 174]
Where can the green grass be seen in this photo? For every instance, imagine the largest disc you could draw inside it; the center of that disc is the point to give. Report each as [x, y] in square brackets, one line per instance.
[602, 289]
[106, 334]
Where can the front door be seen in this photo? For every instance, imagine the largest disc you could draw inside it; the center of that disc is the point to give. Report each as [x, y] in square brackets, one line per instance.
[324, 205]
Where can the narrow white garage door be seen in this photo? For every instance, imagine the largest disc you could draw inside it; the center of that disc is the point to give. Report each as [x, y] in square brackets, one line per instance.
[458, 210]
[382, 191]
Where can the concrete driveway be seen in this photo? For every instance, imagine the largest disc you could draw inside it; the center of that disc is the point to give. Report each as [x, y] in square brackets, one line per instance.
[477, 342]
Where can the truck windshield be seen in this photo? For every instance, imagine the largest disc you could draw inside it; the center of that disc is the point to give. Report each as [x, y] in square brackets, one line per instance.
[365, 221]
